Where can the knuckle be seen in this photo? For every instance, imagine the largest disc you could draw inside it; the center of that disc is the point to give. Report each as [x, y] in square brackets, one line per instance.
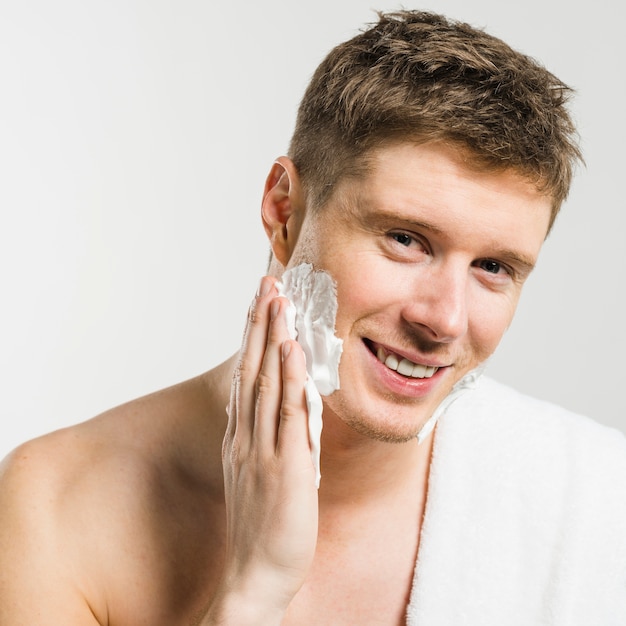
[253, 313]
[289, 411]
[292, 376]
[265, 384]
[243, 370]
[237, 372]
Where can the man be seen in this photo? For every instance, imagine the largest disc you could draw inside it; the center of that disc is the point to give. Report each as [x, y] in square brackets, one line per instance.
[426, 169]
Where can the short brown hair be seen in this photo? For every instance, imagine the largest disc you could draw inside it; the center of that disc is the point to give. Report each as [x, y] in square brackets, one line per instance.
[419, 76]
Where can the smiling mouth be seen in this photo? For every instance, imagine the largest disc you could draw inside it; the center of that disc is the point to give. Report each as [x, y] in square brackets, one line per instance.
[403, 366]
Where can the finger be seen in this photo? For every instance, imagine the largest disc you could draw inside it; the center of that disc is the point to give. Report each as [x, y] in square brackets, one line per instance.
[243, 386]
[269, 386]
[293, 434]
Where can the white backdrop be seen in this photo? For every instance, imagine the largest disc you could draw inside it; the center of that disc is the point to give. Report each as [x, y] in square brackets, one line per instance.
[135, 136]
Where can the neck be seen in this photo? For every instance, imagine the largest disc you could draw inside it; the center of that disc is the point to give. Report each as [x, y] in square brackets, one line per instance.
[357, 468]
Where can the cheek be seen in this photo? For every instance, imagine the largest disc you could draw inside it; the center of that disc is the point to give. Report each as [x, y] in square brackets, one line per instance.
[362, 287]
[489, 319]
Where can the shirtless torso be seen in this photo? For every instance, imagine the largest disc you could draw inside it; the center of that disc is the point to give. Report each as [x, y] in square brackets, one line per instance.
[125, 524]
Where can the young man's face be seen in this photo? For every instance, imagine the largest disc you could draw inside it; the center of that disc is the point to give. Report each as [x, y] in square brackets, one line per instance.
[429, 258]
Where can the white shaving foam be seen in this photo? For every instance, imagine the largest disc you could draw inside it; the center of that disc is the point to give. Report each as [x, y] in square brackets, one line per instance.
[468, 381]
[311, 321]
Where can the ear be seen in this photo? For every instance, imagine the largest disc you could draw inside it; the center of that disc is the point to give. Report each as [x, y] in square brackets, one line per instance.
[282, 209]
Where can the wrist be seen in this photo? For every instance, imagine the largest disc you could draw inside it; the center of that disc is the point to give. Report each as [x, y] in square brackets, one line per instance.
[242, 607]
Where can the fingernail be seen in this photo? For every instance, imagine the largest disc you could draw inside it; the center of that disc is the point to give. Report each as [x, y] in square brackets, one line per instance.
[264, 287]
[286, 349]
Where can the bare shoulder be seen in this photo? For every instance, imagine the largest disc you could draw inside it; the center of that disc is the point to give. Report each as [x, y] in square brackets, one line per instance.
[39, 557]
[124, 501]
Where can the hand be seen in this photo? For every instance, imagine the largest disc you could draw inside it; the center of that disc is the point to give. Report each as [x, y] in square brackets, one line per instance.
[271, 498]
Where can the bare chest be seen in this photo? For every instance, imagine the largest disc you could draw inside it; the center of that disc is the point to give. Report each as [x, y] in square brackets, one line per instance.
[367, 582]
[364, 582]
[163, 567]
[166, 570]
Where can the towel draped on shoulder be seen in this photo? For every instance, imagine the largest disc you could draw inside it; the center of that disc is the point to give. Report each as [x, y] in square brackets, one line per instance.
[525, 522]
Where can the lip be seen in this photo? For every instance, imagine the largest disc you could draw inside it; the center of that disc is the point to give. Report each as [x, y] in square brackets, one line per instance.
[391, 381]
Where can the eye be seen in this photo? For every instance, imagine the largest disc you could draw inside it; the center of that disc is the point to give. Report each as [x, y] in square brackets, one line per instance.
[495, 268]
[405, 246]
[403, 239]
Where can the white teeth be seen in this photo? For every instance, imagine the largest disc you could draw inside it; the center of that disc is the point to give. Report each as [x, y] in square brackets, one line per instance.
[419, 371]
[392, 362]
[404, 366]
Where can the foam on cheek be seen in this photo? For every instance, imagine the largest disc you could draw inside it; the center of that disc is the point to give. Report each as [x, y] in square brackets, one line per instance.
[311, 320]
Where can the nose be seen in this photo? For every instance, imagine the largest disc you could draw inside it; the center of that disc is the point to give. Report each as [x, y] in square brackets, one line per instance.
[438, 303]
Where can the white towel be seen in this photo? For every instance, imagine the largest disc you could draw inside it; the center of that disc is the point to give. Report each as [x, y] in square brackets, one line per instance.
[525, 521]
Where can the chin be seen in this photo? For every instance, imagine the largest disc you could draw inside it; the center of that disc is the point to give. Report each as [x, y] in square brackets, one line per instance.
[385, 433]
[397, 426]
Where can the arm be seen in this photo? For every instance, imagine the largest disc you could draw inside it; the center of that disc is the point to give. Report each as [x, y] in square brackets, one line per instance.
[37, 583]
[271, 498]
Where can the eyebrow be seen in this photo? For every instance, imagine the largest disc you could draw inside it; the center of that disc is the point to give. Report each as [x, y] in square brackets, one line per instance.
[524, 263]
[379, 217]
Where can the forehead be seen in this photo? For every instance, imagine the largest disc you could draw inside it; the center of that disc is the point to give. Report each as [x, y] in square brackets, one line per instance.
[437, 185]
